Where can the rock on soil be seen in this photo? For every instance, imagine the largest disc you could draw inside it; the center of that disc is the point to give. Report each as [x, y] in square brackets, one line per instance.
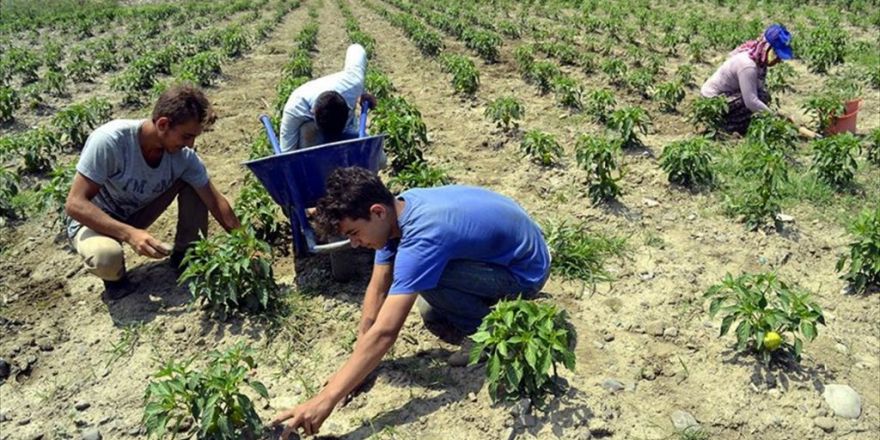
[825, 423]
[683, 420]
[92, 434]
[843, 400]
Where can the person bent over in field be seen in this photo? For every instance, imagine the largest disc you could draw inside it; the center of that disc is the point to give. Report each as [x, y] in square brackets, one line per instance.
[453, 250]
[322, 110]
[128, 174]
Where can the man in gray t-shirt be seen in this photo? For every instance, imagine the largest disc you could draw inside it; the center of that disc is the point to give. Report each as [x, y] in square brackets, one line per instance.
[128, 174]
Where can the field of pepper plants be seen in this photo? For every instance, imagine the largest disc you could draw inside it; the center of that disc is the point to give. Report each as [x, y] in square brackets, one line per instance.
[703, 285]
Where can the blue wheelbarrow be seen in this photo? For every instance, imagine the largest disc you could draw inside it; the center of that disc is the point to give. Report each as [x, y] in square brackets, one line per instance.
[296, 180]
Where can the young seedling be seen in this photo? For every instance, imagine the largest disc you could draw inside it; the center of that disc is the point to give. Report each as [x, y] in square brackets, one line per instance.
[230, 272]
[541, 147]
[823, 109]
[834, 159]
[568, 92]
[418, 175]
[773, 131]
[600, 103]
[210, 401]
[864, 252]
[406, 133]
[688, 162]
[9, 189]
[9, 103]
[669, 95]
[257, 209]
[627, 123]
[465, 78]
[708, 115]
[579, 253]
[600, 158]
[524, 341]
[766, 171]
[768, 314]
[505, 112]
[872, 148]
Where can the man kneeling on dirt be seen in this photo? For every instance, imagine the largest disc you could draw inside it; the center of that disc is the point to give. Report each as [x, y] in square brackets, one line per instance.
[456, 250]
[128, 174]
[322, 110]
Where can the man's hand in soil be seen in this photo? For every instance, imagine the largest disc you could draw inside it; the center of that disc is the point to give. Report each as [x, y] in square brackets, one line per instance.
[144, 244]
[309, 416]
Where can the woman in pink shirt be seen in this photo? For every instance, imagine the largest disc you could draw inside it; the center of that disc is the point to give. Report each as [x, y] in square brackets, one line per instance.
[742, 78]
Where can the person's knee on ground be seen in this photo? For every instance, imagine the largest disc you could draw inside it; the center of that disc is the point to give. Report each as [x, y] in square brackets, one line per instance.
[105, 259]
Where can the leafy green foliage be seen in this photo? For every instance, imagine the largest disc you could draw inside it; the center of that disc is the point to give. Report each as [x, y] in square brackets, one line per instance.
[541, 147]
[465, 78]
[484, 43]
[616, 70]
[823, 110]
[771, 130]
[202, 68]
[688, 162]
[600, 157]
[38, 149]
[9, 188]
[406, 133]
[765, 171]
[628, 122]
[864, 252]
[9, 103]
[524, 56]
[542, 74]
[299, 65]
[708, 114]
[873, 147]
[234, 41]
[256, 209]
[568, 92]
[76, 121]
[54, 83]
[824, 46]
[780, 78]
[418, 175]
[669, 95]
[600, 103]
[505, 112]
[378, 84]
[524, 341]
[211, 398]
[53, 194]
[834, 159]
[579, 253]
[759, 304]
[230, 272]
[80, 70]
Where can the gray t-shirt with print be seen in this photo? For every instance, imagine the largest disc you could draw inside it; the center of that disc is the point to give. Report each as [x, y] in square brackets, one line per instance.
[113, 159]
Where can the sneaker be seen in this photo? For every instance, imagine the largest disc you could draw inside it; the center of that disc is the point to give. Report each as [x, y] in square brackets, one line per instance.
[115, 290]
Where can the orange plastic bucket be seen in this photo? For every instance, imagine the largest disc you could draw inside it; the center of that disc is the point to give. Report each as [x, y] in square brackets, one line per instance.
[847, 122]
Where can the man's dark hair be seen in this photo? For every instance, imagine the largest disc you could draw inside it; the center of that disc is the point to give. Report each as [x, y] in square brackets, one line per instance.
[331, 114]
[184, 103]
[350, 193]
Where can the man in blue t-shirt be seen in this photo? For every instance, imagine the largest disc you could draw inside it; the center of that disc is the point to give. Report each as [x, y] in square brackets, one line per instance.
[457, 250]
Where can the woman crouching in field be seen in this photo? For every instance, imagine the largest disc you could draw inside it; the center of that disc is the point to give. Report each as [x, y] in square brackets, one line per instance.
[741, 79]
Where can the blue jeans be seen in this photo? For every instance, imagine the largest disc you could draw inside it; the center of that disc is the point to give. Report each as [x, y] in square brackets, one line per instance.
[463, 296]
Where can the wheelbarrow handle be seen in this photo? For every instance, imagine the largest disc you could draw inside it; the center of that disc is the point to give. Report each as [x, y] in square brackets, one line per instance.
[270, 133]
[362, 127]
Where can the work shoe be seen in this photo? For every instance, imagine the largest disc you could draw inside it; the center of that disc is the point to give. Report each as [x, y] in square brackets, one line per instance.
[176, 261]
[115, 290]
[461, 357]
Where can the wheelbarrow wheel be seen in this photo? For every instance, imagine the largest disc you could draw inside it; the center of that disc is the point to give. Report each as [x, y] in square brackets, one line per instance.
[343, 266]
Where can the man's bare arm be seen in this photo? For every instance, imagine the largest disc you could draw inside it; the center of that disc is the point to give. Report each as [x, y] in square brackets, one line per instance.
[79, 207]
[218, 206]
[377, 290]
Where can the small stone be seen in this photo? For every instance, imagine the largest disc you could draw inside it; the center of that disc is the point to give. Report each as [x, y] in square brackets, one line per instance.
[38, 436]
[843, 400]
[508, 433]
[683, 420]
[646, 276]
[328, 306]
[82, 406]
[608, 337]
[472, 397]
[651, 203]
[600, 428]
[655, 328]
[671, 332]
[612, 385]
[648, 374]
[825, 423]
[178, 327]
[521, 407]
[785, 218]
[24, 421]
[692, 217]
[841, 348]
[45, 345]
[91, 434]
[135, 431]
[3, 417]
